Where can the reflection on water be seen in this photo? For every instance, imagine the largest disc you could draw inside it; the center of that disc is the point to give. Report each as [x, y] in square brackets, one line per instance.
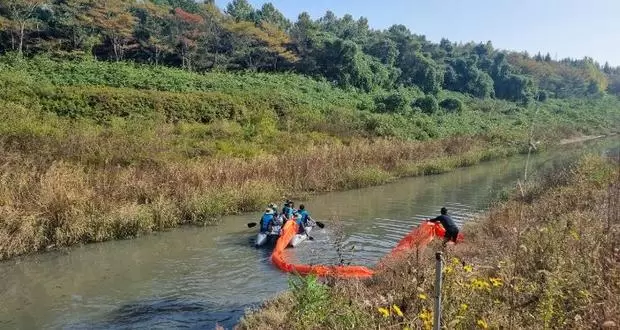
[195, 277]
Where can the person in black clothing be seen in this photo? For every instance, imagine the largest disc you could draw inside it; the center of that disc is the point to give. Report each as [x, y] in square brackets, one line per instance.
[452, 231]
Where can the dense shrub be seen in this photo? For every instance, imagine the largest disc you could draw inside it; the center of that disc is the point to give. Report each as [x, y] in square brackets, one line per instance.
[428, 104]
[396, 102]
[104, 102]
[452, 105]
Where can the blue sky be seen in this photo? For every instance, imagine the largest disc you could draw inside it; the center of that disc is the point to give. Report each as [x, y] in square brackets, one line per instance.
[566, 28]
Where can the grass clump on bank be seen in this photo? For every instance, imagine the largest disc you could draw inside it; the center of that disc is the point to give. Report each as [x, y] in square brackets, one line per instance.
[546, 258]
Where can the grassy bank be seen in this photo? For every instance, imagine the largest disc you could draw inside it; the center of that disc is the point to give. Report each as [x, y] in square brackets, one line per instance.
[545, 258]
[65, 183]
[92, 151]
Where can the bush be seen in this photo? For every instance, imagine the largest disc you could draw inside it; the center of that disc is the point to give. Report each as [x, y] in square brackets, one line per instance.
[428, 104]
[542, 96]
[451, 105]
[395, 102]
[103, 102]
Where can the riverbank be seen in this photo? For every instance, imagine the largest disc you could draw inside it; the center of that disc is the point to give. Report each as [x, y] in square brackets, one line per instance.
[66, 183]
[578, 139]
[53, 203]
[547, 257]
[94, 151]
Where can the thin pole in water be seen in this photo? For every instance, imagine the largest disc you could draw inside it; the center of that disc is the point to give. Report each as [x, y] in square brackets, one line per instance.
[438, 271]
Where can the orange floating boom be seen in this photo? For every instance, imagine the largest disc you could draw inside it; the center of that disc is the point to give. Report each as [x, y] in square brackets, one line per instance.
[419, 237]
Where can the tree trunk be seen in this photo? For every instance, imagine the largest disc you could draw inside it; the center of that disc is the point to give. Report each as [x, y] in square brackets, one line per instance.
[115, 46]
[22, 26]
[183, 56]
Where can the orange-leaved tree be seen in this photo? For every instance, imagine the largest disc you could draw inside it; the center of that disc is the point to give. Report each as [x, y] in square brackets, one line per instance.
[115, 22]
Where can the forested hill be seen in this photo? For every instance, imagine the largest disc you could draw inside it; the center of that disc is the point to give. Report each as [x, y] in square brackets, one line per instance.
[202, 37]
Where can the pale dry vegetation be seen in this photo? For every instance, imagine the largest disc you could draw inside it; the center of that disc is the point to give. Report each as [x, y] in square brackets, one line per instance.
[68, 182]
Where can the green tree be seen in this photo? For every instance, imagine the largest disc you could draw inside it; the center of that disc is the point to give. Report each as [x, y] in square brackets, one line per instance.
[269, 14]
[447, 46]
[462, 75]
[384, 49]
[153, 25]
[241, 10]
[418, 70]
[507, 85]
[71, 27]
[21, 17]
[305, 40]
[614, 84]
[342, 61]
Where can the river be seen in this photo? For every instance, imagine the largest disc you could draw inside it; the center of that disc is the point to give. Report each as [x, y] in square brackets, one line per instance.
[194, 277]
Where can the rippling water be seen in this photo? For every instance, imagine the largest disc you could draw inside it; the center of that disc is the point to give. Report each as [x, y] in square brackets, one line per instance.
[195, 277]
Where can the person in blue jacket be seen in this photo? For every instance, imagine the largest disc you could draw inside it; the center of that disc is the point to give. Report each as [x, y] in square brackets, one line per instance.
[302, 218]
[277, 218]
[452, 231]
[274, 207]
[265, 220]
[288, 210]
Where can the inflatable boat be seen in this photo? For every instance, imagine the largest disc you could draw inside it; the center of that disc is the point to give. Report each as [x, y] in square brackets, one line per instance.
[262, 238]
[299, 238]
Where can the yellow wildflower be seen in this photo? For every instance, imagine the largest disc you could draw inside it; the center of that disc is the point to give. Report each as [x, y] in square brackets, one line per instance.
[448, 270]
[464, 307]
[427, 318]
[397, 310]
[480, 284]
[496, 281]
[455, 261]
[422, 296]
[482, 324]
[584, 293]
[468, 268]
[384, 311]
[406, 328]
[574, 234]
[425, 314]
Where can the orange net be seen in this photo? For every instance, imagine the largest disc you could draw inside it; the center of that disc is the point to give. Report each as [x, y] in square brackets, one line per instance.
[419, 237]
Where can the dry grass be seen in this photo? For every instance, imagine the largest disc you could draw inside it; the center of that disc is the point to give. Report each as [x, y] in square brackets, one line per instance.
[59, 189]
[549, 259]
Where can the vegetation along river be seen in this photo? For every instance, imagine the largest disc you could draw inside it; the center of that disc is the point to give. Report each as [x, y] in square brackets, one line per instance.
[194, 277]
